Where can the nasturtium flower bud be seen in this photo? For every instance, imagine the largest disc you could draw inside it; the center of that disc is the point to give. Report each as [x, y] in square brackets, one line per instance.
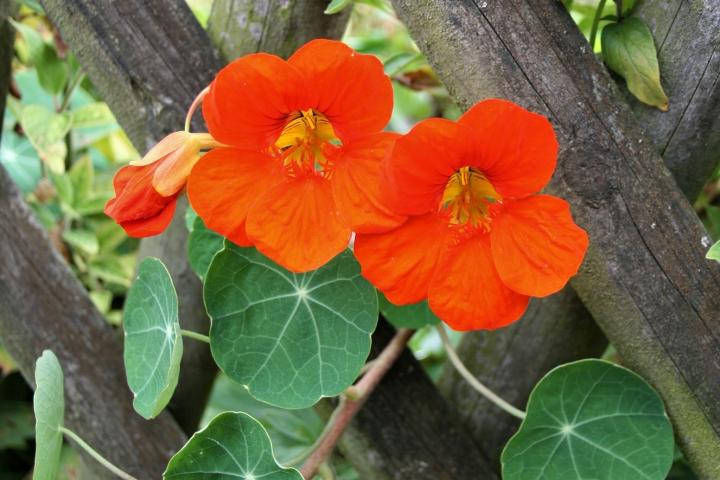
[146, 190]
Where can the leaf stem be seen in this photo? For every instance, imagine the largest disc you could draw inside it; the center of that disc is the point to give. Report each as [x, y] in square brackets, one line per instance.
[93, 453]
[76, 81]
[596, 23]
[474, 382]
[348, 408]
[195, 335]
[619, 6]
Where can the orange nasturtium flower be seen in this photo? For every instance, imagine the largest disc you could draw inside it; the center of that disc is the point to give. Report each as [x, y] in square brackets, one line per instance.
[146, 190]
[479, 240]
[305, 148]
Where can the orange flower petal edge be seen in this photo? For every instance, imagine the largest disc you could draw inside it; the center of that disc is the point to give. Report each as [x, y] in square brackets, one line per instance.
[472, 184]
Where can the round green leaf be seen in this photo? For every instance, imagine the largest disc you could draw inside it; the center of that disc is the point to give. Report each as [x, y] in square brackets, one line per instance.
[49, 406]
[46, 131]
[591, 419]
[628, 49]
[234, 445]
[290, 338]
[202, 247]
[413, 316]
[153, 344]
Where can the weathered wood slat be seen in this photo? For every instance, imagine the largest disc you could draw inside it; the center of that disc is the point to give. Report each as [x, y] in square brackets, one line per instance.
[559, 329]
[239, 27]
[43, 306]
[645, 279]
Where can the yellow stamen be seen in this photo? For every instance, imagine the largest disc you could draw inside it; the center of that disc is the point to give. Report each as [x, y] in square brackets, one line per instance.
[303, 138]
[467, 198]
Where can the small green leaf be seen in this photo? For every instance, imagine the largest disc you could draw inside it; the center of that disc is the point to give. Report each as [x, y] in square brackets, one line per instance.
[49, 406]
[46, 131]
[591, 419]
[153, 344]
[337, 6]
[96, 114]
[84, 240]
[290, 338]
[234, 445]
[202, 247]
[714, 252]
[629, 50]
[414, 316]
[82, 175]
[52, 72]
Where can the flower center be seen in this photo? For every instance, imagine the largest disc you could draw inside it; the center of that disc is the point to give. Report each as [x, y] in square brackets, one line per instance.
[467, 198]
[305, 140]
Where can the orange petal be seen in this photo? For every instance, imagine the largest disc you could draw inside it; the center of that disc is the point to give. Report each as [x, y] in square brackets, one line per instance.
[163, 148]
[349, 88]
[250, 99]
[152, 225]
[401, 262]
[296, 224]
[135, 198]
[466, 292]
[516, 149]
[225, 183]
[420, 165]
[536, 245]
[356, 184]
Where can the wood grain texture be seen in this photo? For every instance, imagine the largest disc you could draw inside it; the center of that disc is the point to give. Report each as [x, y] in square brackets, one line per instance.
[238, 27]
[148, 60]
[43, 306]
[645, 278]
[407, 429]
[559, 329]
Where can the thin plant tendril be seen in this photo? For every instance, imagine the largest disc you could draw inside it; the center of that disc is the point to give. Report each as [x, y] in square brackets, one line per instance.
[93, 453]
[474, 382]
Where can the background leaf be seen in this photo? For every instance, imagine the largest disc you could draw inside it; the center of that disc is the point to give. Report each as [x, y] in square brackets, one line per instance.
[291, 338]
[714, 252]
[629, 50]
[233, 445]
[153, 344]
[202, 247]
[413, 316]
[46, 131]
[591, 419]
[49, 406]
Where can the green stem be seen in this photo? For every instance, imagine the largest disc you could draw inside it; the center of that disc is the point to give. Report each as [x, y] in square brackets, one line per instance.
[596, 23]
[76, 81]
[328, 427]
[91, 451]
[195, 335]
[474, 382]
[619, 5]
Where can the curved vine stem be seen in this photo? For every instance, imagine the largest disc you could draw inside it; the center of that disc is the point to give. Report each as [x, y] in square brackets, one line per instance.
[474, 382]
[93, 453]
[351, 404]
[596, 23]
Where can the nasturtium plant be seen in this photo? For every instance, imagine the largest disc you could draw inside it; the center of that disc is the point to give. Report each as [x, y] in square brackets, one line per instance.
[203, 244]
[49, 406]
[714, 252]
[628, 49]
[591, 419]
[233, 445]
[290, 338]
[415, 316]
[153, 343]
